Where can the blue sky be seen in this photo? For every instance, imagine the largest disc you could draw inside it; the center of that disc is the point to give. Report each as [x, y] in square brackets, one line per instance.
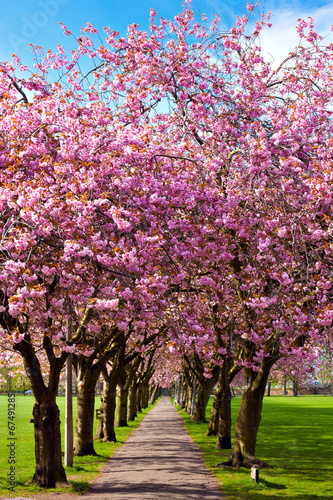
[37, 21]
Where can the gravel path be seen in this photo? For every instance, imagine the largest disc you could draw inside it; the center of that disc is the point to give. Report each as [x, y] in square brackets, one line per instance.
[158, 461]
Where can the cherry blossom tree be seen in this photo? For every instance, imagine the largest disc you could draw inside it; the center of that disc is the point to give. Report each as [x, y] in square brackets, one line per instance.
[182, 181]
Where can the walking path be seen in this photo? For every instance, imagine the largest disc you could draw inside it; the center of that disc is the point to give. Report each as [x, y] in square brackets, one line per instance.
[158, 461]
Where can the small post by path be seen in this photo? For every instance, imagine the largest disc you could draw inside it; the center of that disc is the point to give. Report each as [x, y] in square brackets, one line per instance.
[255, 474]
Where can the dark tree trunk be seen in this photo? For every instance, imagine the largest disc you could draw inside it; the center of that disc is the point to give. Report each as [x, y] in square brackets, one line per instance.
[214, 415]
[295, 387]
[145, 395]
[248, 420]
[205, 386]
[49, 471]
[223, 441]
[139, 399]
[269, 389]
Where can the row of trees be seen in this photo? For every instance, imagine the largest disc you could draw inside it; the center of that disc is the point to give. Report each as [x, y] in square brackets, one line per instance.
[173, 200]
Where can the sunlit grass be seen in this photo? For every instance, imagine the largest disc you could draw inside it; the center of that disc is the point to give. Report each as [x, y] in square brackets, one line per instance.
[295, 436]
[84, 470]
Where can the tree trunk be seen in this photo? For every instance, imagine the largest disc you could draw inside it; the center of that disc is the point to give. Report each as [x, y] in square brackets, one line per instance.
[49, 471]
[87, 376]
[132, 400]
[184, 395]
[181, 396]
[205, 387]
[295, 387]
[189, 397]
[223, 441]
[105, 428]
[214, 415]
[121, 412]
[154, 395]
[139, 399]
[248, 420]
[269, 389]
[145, 395]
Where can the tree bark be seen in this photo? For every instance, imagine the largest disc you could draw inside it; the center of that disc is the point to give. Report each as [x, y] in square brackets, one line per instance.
[269, 389]
[154, 395]
[214, 415]
[205, 386]
[105, 427]
[145, 395]
[49, 471]
[121, 411]
[132, 399]
[189, 397]
[139, 398]
[223, 441]
[87, 375]
[184, 395]
[248, 420]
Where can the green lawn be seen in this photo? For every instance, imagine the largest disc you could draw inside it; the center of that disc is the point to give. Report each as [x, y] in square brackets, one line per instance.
[80, 475]
[295, 436]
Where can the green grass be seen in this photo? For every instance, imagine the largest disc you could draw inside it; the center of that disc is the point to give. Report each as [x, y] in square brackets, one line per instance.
[84, 470]
[295, 436]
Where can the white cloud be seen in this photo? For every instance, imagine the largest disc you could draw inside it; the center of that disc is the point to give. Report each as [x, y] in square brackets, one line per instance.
[281, 38]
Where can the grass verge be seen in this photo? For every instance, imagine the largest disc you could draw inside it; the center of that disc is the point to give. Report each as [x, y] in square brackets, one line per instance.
[84, 470]
[295, 436]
